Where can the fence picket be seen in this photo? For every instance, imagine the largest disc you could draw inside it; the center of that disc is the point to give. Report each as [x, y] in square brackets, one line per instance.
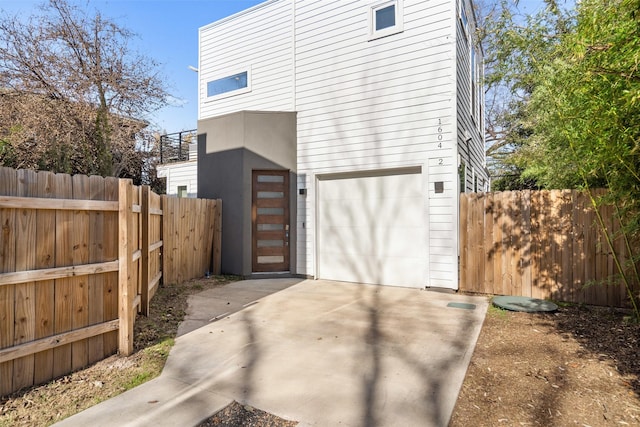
[8, 185]
[464, 247]
[97, 236]
[487, 237]
[25, 259]
[515, 207]
[63, 319]
[110, 248]
[217, 237]
[578, 253]
[544, 244]
[45, 258]
[566, 230]
[524, 259]
[80, 286]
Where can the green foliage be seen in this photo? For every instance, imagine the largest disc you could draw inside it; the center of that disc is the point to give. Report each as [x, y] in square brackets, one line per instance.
[515, 47]
[152, 363]
[585, 103]
[495, 311]
[576, 77]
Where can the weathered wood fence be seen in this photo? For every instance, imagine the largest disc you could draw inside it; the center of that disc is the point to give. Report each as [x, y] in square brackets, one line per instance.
[542, 244]
[79, 258]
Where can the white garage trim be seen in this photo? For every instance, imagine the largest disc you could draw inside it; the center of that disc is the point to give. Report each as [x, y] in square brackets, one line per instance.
[371, 227]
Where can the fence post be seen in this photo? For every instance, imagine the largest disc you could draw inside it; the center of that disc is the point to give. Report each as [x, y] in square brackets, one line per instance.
[144, 248]
[125, 296]
[167, 240]
[462, 241]
[217, 238]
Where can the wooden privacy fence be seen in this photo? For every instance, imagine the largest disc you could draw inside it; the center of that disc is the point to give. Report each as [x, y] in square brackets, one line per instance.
[541, 244]
[79, 257]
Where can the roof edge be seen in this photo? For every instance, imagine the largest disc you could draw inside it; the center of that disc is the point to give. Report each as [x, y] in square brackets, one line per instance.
[237, 15]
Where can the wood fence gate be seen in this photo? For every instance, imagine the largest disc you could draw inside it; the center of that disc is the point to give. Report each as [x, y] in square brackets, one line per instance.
[541, 244]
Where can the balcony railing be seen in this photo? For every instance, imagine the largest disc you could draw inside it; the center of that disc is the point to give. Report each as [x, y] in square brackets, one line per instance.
[174, 147]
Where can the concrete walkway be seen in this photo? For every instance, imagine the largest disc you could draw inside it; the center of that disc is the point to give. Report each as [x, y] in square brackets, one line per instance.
[318, 352]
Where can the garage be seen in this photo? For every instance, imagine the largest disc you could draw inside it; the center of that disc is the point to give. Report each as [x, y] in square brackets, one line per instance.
[371, 228]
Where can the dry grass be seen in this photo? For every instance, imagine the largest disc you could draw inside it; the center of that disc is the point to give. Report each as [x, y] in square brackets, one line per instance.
[153, 338]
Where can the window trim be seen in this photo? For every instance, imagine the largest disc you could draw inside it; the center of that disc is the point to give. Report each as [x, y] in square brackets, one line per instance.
[226, 74]
[395, 29]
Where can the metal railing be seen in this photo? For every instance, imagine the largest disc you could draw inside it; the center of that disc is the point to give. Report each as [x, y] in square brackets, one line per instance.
[174, 147]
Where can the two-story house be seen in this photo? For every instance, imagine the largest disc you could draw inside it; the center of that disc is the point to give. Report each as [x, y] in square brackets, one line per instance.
[339, 135]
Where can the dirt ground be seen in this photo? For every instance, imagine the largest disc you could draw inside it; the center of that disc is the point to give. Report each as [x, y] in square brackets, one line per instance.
[153, 338]
[579, 366]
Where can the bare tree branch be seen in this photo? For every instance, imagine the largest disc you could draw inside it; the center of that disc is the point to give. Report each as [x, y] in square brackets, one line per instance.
[73, 95]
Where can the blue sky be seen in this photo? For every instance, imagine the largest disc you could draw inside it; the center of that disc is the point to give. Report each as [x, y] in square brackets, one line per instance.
[168, 32]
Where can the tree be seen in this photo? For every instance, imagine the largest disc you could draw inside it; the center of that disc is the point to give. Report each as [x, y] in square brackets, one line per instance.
[577, 79]
[587, 109]
[74, 95]
[514, 44]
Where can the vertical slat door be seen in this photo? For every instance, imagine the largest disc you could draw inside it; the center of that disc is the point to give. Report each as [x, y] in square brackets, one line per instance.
[270, 221]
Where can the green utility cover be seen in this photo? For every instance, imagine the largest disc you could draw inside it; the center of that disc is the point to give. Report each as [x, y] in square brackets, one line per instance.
[464, 305]
[530, 305]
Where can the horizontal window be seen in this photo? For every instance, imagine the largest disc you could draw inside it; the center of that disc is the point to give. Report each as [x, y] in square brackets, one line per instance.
[270, 211]
[228, 84]
[270, 227]
[273, 259]
[270, 178]
[270, 194]
[270, 243]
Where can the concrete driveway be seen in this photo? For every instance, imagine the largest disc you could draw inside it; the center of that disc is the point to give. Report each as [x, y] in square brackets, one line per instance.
[318, 352]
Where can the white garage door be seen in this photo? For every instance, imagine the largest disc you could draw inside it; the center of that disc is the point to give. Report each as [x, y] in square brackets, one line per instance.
[371, 229]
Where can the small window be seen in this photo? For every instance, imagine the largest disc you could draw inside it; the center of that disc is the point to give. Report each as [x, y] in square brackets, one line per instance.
[480, 85]
[182, 191]
[233, 84]
[474, 86]
[385, 19]
[463, 18]
[475, 180]
[462, 177]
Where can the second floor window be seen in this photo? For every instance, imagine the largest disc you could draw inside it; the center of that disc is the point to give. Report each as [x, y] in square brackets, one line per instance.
[228, 84]
[385, 19]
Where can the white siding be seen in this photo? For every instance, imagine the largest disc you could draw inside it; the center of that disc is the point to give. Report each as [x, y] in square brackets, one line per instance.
[386, 103]
[473, 151]
[362, 105]
[259, 40]
[179, 174]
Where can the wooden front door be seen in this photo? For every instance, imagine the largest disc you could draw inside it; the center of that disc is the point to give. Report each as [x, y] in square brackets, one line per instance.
[270, 221]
